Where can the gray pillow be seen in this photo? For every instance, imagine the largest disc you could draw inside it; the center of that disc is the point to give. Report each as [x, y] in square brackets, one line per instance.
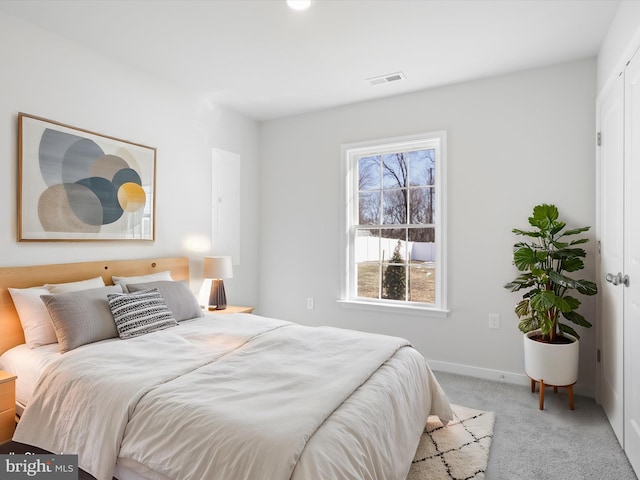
[139, 313]
[81, 317]
[179, 297]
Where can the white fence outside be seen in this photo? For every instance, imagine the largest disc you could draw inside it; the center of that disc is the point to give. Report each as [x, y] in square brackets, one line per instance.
[369, 249]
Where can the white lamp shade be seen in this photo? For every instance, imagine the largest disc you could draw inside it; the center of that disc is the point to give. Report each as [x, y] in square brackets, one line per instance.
[218, 267]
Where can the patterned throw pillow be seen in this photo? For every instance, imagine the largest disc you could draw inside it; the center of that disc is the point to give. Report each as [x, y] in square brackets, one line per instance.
[140, 312]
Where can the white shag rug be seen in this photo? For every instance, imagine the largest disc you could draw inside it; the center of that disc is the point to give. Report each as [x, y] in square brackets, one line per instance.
[459, 451]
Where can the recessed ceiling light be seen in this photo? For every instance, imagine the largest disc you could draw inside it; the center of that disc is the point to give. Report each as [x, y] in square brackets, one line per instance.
[299, 4]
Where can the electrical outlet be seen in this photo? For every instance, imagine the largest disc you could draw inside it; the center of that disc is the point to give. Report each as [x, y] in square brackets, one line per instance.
[310, 303]
[494, 320]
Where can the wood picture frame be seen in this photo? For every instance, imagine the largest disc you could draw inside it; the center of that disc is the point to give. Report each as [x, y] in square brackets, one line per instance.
[78, 185]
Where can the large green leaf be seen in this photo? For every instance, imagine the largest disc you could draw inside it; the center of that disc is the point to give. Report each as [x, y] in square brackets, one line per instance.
[556, 227]
[528, 325]
[547, 299]
[576, 231]
[522, 308]
[569, 253]
[576, 318]
[574, 303]
[567, 329]
[523, 281]
[543, 215]
[573, 264]
[563, 304]
[586, 287]
[526, 233]
[579, 241]
[543, 300]
[562, 280]
[545, 327]
[523, 258]
[521, 244]
[541, 255]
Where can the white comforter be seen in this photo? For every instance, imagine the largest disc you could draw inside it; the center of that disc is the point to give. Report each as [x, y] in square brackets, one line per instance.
[238, 397]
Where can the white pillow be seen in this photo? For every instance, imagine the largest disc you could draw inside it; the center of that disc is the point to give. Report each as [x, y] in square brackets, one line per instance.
[34, 317]
[97, 282]
[152, 277]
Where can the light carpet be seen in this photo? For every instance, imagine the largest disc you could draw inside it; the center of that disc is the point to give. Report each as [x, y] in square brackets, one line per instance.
[459, 451]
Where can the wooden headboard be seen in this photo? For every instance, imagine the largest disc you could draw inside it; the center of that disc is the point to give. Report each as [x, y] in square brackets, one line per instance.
[31, 276]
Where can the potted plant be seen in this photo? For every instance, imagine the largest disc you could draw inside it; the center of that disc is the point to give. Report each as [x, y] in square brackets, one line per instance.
[544, 260]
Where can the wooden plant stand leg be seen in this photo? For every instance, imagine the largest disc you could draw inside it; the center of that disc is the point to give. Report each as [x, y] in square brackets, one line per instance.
[571, 405]
[555, 389]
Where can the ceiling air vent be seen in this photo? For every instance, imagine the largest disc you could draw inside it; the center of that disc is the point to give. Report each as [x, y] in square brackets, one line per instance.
[388, 78]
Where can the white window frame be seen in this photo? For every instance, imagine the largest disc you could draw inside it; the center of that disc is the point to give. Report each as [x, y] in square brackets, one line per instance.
[350, 153]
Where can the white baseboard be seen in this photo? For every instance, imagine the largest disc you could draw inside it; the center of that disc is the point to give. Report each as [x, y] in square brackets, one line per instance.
[478, 372]
[495, 375]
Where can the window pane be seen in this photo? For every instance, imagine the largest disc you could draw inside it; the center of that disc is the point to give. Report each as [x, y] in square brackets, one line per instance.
[422, 269]
[367, 257]
[394, 206]
[421, 235]
[367, 245]
[395, 170]
[369, 173]
[394, 279]
[422, 205]
[369, 208]
[422, 167]
[392, 238]
[422, 282]
[368, 280]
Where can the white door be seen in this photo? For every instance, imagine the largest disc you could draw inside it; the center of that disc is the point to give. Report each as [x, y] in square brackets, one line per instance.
[610, 232]
[632, 264]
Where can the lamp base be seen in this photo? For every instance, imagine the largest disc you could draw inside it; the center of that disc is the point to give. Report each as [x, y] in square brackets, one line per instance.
[217, 296]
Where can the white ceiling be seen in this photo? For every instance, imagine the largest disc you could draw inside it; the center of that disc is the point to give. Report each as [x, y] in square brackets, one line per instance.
[266, 61]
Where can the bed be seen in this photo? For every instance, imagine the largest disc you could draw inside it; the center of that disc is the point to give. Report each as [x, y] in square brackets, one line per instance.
[235, 396]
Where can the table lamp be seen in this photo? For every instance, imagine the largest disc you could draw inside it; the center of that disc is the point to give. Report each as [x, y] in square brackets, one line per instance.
[216, 269]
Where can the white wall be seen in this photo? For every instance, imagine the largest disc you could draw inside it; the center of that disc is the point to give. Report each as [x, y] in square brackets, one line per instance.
[621, 41]
[45, 75]
[513, 141]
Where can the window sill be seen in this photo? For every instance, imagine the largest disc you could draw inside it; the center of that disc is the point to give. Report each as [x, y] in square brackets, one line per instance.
[403, 309]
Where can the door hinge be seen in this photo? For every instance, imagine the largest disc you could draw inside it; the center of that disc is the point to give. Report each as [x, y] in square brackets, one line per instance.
[598, 355]
[599, 139]
[599, 247]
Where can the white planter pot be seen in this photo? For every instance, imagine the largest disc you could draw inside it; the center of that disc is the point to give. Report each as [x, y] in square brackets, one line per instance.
[554, 364]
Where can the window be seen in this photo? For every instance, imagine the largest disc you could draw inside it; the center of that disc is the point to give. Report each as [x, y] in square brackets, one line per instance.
[395, 222]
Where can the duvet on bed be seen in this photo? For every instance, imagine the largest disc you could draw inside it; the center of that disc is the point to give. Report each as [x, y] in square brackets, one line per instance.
[238, 397]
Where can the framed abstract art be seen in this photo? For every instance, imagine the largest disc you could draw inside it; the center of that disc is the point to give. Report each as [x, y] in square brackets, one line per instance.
[79, 185]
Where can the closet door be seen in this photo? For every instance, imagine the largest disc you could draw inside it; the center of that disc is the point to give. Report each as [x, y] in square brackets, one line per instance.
[610, 232]
[632, 264]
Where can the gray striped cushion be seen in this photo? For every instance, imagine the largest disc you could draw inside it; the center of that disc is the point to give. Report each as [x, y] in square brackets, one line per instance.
[140, 312]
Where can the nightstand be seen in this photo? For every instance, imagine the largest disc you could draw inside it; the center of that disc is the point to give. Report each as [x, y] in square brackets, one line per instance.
[233, 309]
[7, 406]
